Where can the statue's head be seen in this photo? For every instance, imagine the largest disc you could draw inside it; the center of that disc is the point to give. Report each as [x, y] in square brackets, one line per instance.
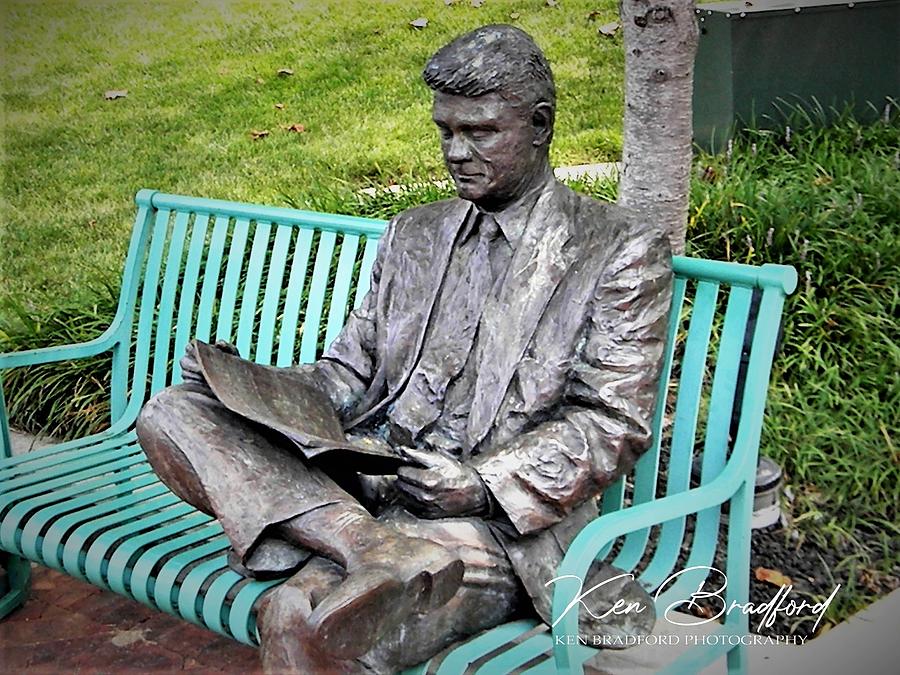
[494, 105]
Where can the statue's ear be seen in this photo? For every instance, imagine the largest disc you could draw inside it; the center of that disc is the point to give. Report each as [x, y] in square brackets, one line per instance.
[542, 119]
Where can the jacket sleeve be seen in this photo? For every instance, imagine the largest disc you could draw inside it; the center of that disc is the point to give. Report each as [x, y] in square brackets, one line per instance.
[345, 370]
[604, 421]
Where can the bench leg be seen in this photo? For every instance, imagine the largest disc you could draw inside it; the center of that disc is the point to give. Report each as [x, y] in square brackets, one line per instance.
[18, 583]
[737, 660]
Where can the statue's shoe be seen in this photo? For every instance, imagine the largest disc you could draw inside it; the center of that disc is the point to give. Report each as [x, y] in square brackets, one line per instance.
[271, 559]
[377, 597]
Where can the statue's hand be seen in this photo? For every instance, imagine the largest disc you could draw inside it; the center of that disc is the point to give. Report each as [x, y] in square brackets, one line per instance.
[190, 368]
[445, 488]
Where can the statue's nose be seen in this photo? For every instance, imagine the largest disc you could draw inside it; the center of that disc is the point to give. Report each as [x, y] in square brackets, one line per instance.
[458, 150]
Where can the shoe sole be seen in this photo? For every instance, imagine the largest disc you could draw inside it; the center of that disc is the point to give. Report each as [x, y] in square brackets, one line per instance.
[367, 606]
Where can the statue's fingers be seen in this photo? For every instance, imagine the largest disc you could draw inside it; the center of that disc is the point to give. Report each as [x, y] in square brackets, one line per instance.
[426, 458]
[189, 365]
[419, 501]
[413, 494]
[422, 478]
[227, 347]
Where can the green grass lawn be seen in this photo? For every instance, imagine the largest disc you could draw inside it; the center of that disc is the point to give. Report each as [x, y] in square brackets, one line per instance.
[202, 75]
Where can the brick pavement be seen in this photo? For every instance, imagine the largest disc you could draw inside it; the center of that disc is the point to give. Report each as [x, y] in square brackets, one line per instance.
[69, 626]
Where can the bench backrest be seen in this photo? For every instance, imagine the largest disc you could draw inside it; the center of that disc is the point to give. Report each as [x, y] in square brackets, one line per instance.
[279, 283]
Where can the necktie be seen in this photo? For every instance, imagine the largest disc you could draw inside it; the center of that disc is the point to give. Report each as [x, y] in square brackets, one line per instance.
[451, 336]
[498, 253]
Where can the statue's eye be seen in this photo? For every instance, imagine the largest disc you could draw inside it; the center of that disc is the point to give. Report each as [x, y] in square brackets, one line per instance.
[446, 134]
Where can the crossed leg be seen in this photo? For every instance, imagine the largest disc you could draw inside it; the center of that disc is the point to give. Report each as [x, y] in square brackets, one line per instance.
[489, 595]
[389, 592]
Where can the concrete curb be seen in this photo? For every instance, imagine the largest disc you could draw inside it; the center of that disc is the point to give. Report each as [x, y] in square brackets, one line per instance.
[576, 172]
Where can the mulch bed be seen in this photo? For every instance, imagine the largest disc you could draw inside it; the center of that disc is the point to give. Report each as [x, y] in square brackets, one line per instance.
[811, 569]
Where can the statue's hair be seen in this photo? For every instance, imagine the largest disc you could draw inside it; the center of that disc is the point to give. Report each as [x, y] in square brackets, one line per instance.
[497, 58]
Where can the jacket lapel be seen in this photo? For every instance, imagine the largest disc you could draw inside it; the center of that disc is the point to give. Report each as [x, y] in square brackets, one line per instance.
[510, 319]
[418, 270]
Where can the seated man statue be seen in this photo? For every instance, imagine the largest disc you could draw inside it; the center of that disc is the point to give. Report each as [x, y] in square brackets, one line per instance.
[510, 342]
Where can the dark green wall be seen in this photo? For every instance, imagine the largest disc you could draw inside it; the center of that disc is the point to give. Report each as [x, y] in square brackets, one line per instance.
[752, 58]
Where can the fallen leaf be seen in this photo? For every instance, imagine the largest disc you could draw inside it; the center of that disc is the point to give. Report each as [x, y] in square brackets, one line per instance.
[259, 80]
[773, 577]
[609, 29]
[421, 22]
[449, 2]
[593, 14]
[824, 179]
[477, 3]
[285, 72]
[279, 106]
[702, 611]
[92, 222]
[552, 3]
[113, 94]
[256, 135]
[297, 128]
[514, 15]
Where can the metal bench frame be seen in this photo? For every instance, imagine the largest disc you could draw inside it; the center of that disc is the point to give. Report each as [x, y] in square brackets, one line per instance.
[93, 508]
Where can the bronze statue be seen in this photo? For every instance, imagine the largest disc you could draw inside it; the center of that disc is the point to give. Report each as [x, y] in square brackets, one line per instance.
[509, 350]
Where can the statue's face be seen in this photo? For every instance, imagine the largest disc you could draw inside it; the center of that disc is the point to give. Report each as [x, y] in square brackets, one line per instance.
[491, 148]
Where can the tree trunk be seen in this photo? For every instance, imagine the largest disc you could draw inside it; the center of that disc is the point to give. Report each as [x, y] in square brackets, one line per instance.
[660, 42]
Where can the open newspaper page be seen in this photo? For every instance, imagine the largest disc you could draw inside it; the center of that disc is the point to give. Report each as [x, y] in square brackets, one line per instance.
[283, 400]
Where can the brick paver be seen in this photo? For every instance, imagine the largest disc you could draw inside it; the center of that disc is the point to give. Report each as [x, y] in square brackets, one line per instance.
[68, 626]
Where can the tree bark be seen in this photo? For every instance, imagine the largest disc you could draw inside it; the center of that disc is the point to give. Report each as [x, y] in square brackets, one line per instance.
[660, 42]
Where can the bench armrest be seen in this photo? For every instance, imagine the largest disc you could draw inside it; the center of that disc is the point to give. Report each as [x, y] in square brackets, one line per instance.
[607, 528]
[33, 357]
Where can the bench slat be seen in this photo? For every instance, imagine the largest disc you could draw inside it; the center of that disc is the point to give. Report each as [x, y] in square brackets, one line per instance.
[369, 253]
[139, 535]
[722, 395]
[55, 495]
[146, 318]
[79, 557]
[233, 268]
[122, 562]
[165, 581]
[165, 311]
[687, 408]
[462, 656]
[341, 293]
[53, 522]
[242, 617]
[252, 284]
[209, 289]
[22, 500]
[142, 575]
[272, 296]
[647, 467]
[518, 655]
[316, 302]
[94, 518]
[188, 291]
[294, 298]
[192, 597]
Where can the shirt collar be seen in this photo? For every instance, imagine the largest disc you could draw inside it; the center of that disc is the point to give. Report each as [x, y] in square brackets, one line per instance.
[513, 218]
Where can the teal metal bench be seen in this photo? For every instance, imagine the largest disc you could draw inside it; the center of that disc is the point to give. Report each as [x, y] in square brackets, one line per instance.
[278, 283]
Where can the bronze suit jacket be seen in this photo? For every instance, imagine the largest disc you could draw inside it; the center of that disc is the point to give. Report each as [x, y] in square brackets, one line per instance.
[573, 348]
